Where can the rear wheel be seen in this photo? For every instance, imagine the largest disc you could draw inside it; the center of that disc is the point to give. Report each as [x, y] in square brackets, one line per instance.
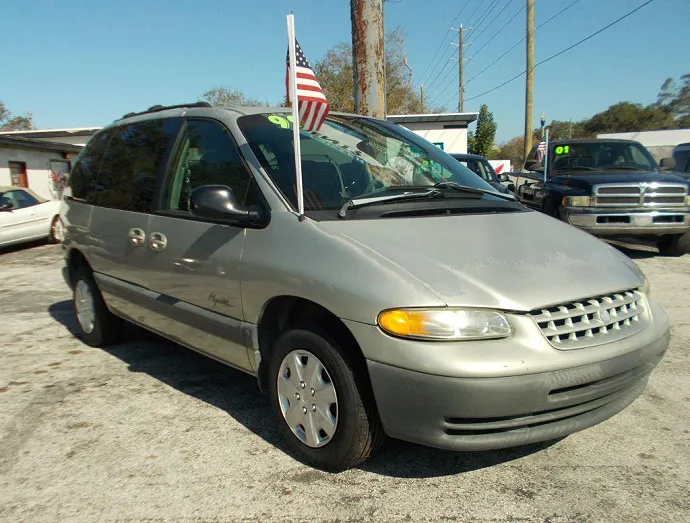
[674, 244]
[97, 325]
[325, 408]
[55, 230]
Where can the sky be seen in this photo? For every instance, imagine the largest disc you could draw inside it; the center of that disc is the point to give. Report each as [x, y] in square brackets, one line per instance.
[81, 63]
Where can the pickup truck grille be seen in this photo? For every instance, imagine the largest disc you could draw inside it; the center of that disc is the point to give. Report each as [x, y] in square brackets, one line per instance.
[651, 194]
[592, 321]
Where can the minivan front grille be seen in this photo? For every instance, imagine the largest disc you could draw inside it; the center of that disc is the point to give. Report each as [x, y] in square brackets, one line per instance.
[592, 321]
[652, 194]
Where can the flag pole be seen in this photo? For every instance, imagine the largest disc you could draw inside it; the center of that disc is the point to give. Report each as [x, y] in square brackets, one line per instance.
[546, 152]
[295, 112]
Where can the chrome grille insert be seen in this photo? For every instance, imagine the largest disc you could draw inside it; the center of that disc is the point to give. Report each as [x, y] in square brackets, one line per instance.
[592, 321]
[653, 194]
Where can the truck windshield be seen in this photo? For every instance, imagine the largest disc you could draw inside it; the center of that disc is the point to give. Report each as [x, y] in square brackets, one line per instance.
[601, 155]
[351, 157]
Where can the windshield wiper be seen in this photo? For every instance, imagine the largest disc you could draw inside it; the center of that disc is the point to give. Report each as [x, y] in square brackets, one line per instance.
[457, 187]
[363, 202]
[624, 168]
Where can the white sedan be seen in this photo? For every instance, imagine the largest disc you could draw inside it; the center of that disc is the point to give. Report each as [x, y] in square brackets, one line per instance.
[25, 216]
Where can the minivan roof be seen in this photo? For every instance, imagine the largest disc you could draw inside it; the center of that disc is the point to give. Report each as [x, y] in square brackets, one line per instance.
[199, 108]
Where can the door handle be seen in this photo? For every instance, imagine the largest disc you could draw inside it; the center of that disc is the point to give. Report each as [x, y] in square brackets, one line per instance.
[157, 241]
[137, 237]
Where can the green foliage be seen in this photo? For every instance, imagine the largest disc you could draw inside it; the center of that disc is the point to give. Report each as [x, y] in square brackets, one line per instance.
[335, 74]
[482, 140]
[229, 97]
[10, 122]
[676, 98]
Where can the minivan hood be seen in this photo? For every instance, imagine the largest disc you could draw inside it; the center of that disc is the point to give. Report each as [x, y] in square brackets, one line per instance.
[515, 261]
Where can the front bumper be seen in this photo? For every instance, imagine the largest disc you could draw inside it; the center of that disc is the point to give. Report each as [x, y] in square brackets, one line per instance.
[634, 222]
[484, 414]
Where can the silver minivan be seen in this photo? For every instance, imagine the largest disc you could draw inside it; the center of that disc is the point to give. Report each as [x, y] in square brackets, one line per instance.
[410, 299]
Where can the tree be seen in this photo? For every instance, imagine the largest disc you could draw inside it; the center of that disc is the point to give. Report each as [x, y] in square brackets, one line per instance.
[512, 150]
[225, 96]
[626, 116]
[335, 74]
[482, 141]
[677, 99]
[10, 122]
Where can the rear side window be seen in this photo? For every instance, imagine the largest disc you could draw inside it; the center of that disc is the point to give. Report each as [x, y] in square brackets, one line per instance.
[130, 165]
[84, 175]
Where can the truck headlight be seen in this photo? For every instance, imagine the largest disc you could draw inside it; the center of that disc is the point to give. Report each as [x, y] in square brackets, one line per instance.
[578, 201]
[445, 324]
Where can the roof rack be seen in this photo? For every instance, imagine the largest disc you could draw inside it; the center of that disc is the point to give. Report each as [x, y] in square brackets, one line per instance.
[157, 108]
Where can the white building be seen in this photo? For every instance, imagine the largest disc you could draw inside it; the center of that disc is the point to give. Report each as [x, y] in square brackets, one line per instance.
[74, 136]
[447, 130]
[658, 143]
[37, 164]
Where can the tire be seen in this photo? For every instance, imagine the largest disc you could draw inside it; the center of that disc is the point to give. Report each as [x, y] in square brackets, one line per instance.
[551, 209]
[674, 244]
[100, 328]
[357, 431]
[56, 231]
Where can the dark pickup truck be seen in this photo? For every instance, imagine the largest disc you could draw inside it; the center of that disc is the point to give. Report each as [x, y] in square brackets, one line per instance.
[609, 188]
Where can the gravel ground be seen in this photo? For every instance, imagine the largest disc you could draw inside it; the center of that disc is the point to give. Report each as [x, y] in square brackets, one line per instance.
[150, 431]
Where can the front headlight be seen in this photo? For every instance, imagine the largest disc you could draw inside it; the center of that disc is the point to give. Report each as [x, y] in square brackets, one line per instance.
[445, 324]
[578, 201]
[646, 288]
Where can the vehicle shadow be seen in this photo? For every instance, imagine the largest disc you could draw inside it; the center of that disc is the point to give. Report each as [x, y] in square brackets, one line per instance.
[237, 394]
[636, 251]
[24, 246]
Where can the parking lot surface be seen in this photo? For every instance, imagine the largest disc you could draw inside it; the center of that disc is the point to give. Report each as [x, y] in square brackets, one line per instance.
[150, 431]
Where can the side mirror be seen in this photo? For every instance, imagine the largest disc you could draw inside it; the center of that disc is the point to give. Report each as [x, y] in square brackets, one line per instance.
[667, 164]
[217, 202]
[503, 178]
[534, 165]
[6, 206]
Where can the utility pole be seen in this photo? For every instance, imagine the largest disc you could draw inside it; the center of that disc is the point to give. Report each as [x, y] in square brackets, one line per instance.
[421, 89]
[461, 65]
[530, 77]
[368, 57]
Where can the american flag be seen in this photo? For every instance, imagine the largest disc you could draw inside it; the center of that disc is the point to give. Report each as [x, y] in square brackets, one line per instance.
[311, 101]
[541, 150]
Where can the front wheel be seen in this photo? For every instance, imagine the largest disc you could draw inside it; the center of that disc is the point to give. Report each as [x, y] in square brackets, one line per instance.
[325, 408]
[674, 244]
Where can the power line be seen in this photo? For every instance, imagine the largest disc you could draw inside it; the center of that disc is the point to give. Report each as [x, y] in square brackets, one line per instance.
[481, 20]
[521, 40]
[443, 40]
[443, 90]
[564, 50]
[501, 29]
[492, 21]
[470, 17]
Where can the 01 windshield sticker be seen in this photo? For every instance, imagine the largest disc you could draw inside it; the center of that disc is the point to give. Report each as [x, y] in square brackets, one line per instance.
[562, 149]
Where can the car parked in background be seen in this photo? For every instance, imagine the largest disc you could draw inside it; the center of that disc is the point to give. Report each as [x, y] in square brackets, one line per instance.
[482, 168]
[610, 188]
[25, 216]
[680, 163]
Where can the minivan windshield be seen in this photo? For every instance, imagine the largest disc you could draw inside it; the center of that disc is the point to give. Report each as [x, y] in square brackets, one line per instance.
[351, 157]
[601, 155]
